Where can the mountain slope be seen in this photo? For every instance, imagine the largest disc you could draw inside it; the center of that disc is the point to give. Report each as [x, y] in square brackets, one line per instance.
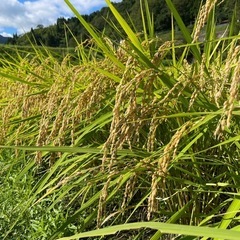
[3, 39]
[55, 35]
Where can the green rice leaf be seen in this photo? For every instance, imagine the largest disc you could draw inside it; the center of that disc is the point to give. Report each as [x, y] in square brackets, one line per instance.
[184, 30]
[231, 212]
[132, 36]
[101, 44]
[164, 228]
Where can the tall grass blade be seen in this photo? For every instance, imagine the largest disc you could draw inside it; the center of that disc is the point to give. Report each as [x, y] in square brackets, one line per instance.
[176, 216]
[164, 228]
[100, 43]
[132, 36]
[210, 35]
[195, 51]
[231, 212]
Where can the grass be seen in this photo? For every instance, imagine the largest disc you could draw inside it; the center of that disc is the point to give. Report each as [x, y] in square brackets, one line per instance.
[8, 51]
[136, 140]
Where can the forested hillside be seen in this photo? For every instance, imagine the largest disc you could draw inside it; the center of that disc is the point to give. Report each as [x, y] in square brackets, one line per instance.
[66, 31]
[3, 39]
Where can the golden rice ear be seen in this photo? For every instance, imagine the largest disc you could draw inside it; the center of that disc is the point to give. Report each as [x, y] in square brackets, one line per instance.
[202, 18]
[161, 53]
[233, 78]
[102, 203]
[129, 190]
[152, 199]
[127, 112]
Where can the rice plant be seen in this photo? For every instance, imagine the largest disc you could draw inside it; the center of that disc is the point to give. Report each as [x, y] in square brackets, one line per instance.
[134, 137]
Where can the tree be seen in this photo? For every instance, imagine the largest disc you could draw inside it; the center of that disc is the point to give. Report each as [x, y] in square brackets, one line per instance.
[56, 34]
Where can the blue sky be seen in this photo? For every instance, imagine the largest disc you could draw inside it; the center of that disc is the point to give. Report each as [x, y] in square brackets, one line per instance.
[19, 16]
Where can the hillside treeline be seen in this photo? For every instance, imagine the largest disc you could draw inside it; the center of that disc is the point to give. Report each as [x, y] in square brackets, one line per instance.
[66, 32]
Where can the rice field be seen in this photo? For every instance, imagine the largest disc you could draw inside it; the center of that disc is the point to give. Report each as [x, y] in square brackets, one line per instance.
[135, 140]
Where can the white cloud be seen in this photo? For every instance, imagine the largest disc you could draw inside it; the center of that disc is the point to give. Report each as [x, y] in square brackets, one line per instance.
[5, 34]
[22, 15]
